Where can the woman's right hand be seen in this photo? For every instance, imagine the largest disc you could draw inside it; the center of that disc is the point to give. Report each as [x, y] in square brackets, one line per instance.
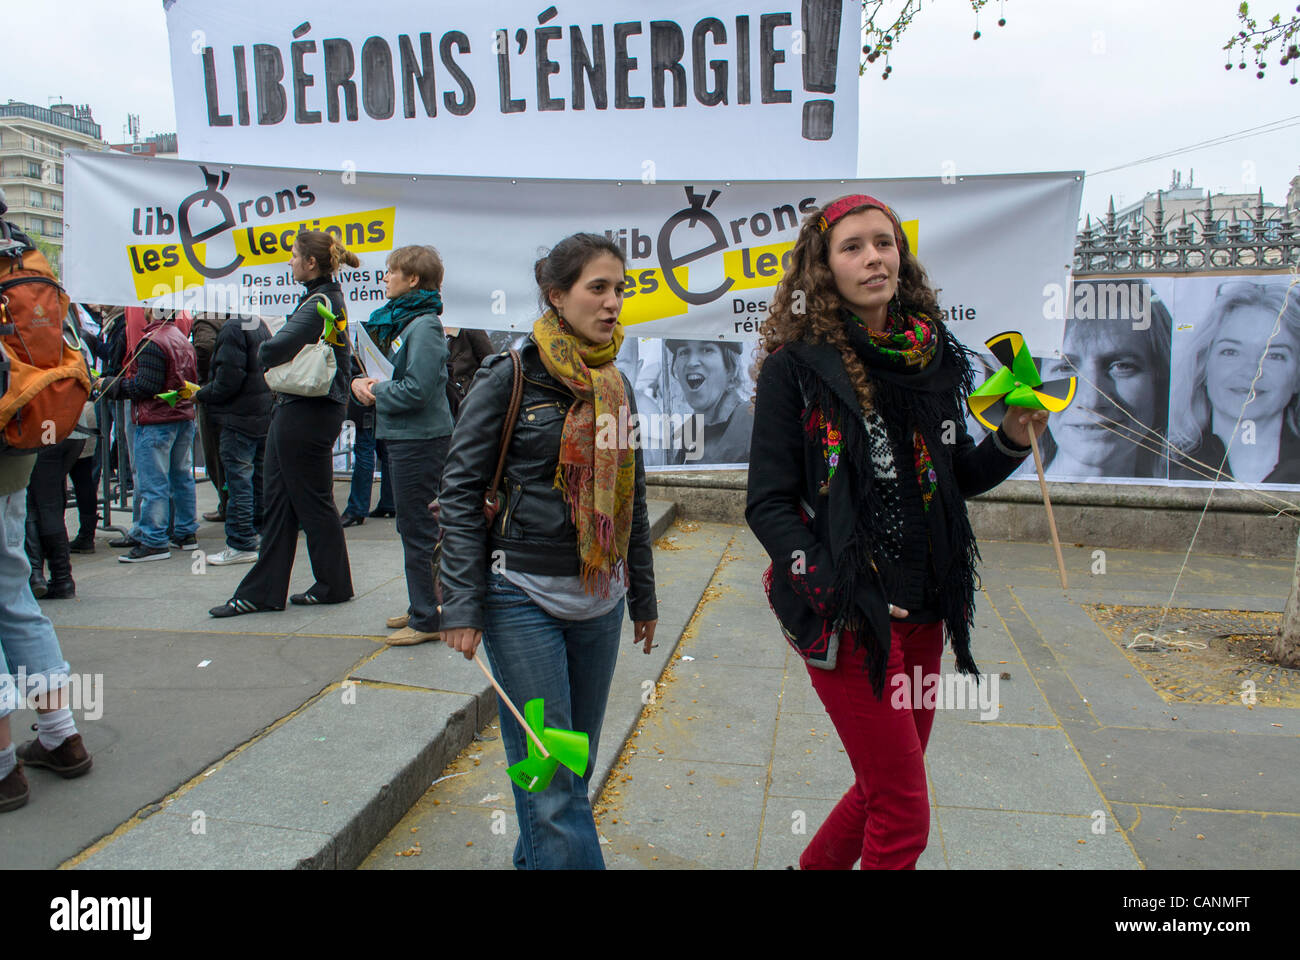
[463, 639]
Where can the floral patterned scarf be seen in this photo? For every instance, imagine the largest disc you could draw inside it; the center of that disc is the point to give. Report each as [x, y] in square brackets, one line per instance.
[909, 343]
[597, 479]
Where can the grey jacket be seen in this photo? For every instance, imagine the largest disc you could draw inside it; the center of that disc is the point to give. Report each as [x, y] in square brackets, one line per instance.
[413, 405]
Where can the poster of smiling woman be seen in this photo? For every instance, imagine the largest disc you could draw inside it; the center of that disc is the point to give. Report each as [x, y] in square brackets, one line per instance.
[1235, 405]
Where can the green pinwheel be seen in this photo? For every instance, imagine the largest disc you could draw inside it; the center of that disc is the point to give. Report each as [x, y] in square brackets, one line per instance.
[548, 747]
[334, 325]
[184, 392]
[1017, 384]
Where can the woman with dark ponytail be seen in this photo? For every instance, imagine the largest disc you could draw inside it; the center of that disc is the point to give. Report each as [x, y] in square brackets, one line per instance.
[544, 586]
[858, 472]
[298, 491]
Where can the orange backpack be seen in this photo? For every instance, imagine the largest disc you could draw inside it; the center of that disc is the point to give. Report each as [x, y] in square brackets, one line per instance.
[47, 383]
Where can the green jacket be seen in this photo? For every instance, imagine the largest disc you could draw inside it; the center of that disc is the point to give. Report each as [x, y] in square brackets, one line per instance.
[413, 405]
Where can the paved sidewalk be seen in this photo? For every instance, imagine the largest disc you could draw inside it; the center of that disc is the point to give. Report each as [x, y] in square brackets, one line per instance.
[271, 740]
[1086, 765]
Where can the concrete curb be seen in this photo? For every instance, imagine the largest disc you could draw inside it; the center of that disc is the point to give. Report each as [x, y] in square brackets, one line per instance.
[322, 788]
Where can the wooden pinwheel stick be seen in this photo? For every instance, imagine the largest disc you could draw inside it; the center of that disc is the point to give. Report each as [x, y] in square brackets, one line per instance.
[1047, 502]
[518, 716]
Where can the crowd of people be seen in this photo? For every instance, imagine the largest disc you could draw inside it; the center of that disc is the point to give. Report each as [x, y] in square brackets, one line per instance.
[852, 491]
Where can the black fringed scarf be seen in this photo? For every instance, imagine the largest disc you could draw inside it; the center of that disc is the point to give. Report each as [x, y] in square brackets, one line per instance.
[910, 399]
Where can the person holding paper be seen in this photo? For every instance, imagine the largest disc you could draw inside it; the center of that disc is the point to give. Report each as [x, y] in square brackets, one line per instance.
[413, 420]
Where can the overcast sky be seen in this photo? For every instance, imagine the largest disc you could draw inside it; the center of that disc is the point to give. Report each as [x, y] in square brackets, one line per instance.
[1065, 85]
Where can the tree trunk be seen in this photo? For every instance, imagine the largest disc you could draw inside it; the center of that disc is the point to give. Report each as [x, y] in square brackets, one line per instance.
[1286, 646]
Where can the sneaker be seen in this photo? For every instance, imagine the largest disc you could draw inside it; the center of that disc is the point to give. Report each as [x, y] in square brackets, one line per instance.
[230, 555]
[234, 607]
[307, 599]
[126, 540]
[14, 791]
[69, 759]
[140, 553]
[189, 543]
[396, 623]
[409, 636]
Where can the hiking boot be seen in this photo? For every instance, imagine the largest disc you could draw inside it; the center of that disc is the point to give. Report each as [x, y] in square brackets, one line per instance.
[84, 543]
[396, 623]
[14, 790]
[409, 636]
[69, 759]
[140, 554]
[231, 555]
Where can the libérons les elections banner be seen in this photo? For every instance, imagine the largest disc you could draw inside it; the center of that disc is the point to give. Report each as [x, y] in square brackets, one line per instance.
[703, 258]
[598, 88]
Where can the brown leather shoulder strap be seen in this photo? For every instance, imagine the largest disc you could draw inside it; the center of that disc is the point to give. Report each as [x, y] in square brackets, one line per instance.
[512, 414]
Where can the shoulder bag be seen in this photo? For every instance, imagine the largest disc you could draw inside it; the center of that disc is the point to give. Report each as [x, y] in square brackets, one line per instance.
[310, 373]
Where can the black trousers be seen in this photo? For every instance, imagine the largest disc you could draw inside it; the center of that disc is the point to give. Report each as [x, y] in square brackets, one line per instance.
[298, 493]
[47, 491]
[417, 475]
[210, 438]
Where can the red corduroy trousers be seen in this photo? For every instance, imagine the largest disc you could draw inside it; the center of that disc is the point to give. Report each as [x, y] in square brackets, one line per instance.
[884, 819]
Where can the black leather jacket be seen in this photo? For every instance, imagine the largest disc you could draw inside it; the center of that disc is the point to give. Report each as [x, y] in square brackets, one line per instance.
[533, 529]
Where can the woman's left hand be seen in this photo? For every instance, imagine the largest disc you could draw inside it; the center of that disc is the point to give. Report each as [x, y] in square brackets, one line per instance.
[363, 390]
[1016, 424]
[643, 632]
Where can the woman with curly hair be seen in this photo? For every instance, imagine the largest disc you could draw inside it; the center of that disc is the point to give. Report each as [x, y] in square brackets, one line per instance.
[860, 465]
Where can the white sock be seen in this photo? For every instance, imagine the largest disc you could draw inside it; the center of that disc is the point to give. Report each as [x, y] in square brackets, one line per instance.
[54, 727]
[8, 760]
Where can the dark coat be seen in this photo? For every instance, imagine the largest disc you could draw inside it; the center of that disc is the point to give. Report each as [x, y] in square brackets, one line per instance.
[237, 395]
[820, 578]
[533, 529]
[304, 327]
[468, 349]
[1211, 451]
[204, 337]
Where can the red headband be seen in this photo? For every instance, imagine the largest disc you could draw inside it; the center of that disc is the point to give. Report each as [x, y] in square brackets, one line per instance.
[840, 207]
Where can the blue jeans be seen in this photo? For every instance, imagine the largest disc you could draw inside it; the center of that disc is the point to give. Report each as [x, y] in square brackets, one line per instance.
[570, 663]
[241, 460]
[164, 476]
[363, 475]
[27, 640]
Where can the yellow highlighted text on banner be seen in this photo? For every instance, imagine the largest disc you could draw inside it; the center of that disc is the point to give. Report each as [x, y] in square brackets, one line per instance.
[646, 297]
[161, 268]
[362, 232]
[753, 267]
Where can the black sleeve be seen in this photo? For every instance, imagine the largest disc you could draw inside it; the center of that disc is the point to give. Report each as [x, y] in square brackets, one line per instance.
[229, 368]
[979, 469]
[641, 602]
[150, 375]
[304, 326]
[777, 484]
[471, 458]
